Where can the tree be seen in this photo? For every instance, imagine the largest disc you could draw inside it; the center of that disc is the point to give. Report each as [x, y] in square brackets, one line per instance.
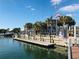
[59, 23]
[3, 31]
[72, 23]
[43, 28]
[16, 30]
[28, 26]
[66, 20]
[49, 23]
[37, 27]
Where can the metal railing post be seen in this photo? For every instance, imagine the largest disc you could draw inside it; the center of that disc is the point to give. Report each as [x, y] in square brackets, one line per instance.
[69, 49]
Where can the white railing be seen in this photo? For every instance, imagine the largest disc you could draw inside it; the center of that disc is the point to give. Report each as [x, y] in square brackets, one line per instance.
[69, 49]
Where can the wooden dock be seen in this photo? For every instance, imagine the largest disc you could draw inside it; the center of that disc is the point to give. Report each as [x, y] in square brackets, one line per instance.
[35, 42]
[75, 52]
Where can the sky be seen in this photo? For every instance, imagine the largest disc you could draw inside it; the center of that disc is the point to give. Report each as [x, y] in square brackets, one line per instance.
[15, 13]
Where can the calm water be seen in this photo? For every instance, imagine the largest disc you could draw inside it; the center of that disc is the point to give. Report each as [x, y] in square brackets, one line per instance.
[11, 49]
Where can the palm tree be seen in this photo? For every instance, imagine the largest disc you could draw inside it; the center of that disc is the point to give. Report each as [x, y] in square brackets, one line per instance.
[59, 24]
[27, 27]
[49, 23]
[72, 23]
[37, 27]
[66, 20]
[43, 28]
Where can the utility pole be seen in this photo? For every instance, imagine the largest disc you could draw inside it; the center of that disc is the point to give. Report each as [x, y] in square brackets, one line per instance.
[75, 34]
[50, 31]
[56, 20]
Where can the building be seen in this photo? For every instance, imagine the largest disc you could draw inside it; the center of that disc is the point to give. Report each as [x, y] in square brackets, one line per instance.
[71, 32]
[51, 28]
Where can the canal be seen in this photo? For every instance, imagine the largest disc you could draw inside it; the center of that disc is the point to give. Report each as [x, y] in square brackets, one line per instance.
[12, 49]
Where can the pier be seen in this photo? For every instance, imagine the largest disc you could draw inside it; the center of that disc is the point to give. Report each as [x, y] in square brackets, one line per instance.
[39, 43]
[75, 52]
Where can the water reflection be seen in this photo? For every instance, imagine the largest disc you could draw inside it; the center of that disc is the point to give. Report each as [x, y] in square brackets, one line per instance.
[12, 49]
[42, 53]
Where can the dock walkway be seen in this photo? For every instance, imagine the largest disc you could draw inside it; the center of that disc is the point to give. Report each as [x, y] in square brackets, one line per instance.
[35, 42]
[75, 52]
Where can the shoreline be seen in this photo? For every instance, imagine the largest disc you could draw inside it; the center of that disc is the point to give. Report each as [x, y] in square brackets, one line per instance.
[45, 43]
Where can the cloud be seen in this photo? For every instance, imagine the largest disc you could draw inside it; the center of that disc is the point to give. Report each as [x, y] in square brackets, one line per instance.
[55, 2]
[28, 6]
[58, 14]
[70, 8]
[69, 15]
[31, 8]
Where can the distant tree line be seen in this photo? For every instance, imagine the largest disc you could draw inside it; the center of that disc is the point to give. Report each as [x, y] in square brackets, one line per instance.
[15, 30]
[4, 30]
[40, 26]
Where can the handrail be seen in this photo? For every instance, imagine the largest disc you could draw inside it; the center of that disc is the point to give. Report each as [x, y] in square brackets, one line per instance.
[69, 49]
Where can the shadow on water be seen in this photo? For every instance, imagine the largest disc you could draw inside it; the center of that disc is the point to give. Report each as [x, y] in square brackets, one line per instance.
[43, 53]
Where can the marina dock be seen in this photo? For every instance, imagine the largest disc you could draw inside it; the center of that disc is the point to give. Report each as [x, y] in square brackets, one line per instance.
[39, 43]
[75, 52]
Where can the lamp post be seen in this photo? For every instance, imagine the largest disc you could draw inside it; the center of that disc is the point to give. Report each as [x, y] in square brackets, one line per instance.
[75, 34]
[56, 27]
[56, 17]
[50, 31]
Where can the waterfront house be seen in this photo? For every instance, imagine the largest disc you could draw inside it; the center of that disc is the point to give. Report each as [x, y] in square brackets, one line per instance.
[71, 32]
[52, 27]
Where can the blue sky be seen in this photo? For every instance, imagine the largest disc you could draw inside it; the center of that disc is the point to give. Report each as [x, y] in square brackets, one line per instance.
[15, 13]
